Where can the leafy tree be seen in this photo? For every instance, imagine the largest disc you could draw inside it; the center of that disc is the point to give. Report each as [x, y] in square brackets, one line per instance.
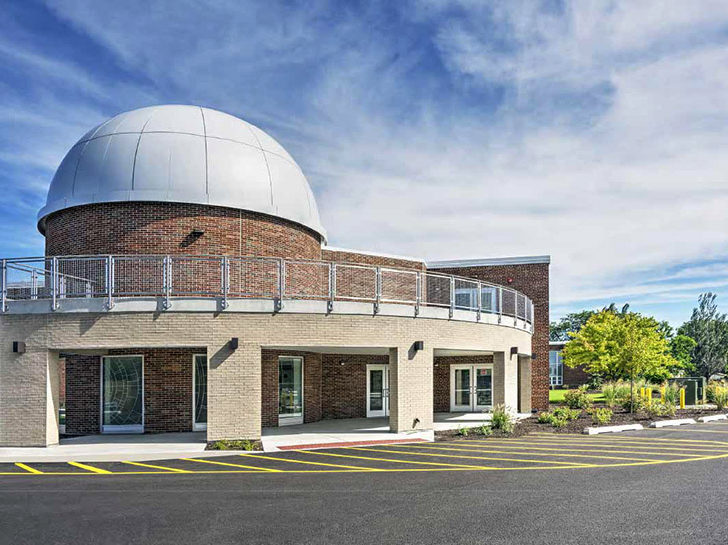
[571, 323]
[621, 346]
[709, 329]
[681, 348]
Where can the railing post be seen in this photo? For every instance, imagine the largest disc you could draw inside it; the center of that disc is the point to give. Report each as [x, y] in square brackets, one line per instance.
[452, 296]
[110, 282]
[34, 284]
[225, 276]
[418, 292]
[480, 301]
[167, 281]
[500, 304]
[3, 285]
[278, 303]
[377, 289]
[54, 283]
[332, 287]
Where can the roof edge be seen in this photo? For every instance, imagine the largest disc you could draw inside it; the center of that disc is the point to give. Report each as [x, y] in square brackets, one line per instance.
[373, 254]
[489, 262]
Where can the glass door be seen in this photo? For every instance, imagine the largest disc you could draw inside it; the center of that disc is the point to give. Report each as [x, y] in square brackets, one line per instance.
[199, 392]
[483, 378]
[122, 394]
[471, 388]
[460, 398]
[377, 390]
[290, 390]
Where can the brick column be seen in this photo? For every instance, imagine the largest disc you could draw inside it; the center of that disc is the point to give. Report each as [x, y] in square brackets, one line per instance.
[410, 389]
[524, 384]
[234, 391]
[28, 397]
[499, 378]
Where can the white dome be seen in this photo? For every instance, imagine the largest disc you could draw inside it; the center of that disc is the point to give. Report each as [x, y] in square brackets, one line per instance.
[183, 154]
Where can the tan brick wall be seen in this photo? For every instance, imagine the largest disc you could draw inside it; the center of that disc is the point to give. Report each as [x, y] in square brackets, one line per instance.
[234, 381]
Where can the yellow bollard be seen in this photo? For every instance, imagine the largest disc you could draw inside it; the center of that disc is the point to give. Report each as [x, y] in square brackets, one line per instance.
[649, 396]
[662, 395]
[682, 398]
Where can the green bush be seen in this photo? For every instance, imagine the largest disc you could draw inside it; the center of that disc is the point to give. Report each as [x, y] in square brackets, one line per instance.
[558, 422]
[566, 413]
[661, 409]
[544, 417]
[602, 416]
[718, 393]
[502, 419]
[672, 393]
[577, 399]
[463, 432]
[233, 444]
[484, 430]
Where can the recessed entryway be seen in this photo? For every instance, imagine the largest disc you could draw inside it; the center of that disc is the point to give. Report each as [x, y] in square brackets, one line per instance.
[377, 390]
[471, 387]
[290, 390]
[122, 394]
[199, 392]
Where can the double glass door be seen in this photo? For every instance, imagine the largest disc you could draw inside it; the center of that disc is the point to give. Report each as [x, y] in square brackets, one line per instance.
[377, 390]
[290, 390]
[471, 388]
[122, 394]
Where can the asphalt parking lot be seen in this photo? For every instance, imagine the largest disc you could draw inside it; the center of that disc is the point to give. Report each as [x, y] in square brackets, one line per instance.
[653, 486]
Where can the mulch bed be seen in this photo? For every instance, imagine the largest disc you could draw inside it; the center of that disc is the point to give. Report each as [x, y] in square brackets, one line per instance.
[531, 425]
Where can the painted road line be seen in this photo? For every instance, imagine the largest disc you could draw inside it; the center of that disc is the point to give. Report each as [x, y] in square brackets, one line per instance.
[358, 468]
[461, 466]
[702, 430]
[655, 442]
[163, 468]
[585, 447]
[92, 469]
[412, 453]
[215, 462]
[28, 468]
[631, 438]
[491, 451]
[711, 446]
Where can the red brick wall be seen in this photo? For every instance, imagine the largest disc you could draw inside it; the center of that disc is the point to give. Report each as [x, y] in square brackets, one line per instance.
[167, 390]
[345, 386]
[340, 256]
[269, 386]
[62, 382]
[533, 280]
[441, 378]
[574, 377]
[164, 228]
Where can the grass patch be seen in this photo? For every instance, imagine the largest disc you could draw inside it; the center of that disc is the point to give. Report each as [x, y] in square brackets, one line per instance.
[557, 396]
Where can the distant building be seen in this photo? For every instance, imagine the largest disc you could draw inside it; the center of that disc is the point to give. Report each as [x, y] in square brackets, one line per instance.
[561, 375]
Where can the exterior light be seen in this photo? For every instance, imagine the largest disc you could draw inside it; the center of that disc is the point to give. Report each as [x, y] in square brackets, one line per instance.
[19, 347]
[197, 232]
[418, 345]
[514, 351]
[233, 343]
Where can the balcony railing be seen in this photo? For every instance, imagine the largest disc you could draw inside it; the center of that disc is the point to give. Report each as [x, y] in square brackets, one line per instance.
[225, 278]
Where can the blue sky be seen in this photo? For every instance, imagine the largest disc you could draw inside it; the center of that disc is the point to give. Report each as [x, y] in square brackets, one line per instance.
[593, 131]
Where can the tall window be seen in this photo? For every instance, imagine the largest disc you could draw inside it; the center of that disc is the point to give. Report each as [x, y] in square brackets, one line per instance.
[556, 368]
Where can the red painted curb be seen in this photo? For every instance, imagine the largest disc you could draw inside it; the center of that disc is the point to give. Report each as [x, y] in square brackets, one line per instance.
[352, 444]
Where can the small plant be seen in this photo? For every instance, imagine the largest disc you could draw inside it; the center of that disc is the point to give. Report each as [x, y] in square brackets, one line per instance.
[544, 417]
[566, 413]
[602, 416]
[661, 409]
[595, 382]
[557, 422]
[577, 399]
[718, 394]
[484, 430]
[502, 419]
[609, 391]
[672, 393]
[463, 432]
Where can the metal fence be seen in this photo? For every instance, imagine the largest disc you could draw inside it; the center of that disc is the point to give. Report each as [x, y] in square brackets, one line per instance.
[113, 277]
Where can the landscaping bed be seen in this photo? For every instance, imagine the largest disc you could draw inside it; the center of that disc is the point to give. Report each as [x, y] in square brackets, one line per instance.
[577, 425]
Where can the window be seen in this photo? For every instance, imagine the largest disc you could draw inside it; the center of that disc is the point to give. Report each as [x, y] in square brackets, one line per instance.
[556, 368]
[467, 298]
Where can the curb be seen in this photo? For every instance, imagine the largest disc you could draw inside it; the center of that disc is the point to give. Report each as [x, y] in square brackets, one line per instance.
[678, 422]
[612, 429]
[713, 418]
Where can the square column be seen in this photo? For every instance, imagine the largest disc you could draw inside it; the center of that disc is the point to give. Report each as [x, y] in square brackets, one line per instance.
[410, 389]
[28, 397]
[524, 384]
[234, 392]
[499, 378]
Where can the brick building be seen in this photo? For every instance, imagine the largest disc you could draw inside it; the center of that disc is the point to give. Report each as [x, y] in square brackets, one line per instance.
[188, 285]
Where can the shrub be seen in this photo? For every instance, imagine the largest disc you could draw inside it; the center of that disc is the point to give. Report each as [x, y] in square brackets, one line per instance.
[672, 393]
[233, 444]
[558, 422]
[502, 419]
[463, 432]
[661, 409]
[633, 405]
[595, 382]
[544, 417]
[601, 416]
[577, 399]
[609, 391]
[718, 391]
[484, 430]
[568, 414]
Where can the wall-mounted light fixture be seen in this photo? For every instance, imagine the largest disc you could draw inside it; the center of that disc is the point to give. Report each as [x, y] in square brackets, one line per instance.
[514, 351]
[19, 347]
[418, 345]
[534, 356]
[197, 232]
[233, 343]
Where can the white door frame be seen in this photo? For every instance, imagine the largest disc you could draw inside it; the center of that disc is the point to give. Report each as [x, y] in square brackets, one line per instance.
[473, 368]
[285, 420]
[138, 428]
[201, 426]
[384, 411]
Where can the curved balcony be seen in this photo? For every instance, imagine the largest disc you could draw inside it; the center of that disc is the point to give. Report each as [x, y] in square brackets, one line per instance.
[250, 284]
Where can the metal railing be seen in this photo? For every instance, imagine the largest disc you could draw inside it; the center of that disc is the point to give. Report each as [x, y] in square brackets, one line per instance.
[234, 277]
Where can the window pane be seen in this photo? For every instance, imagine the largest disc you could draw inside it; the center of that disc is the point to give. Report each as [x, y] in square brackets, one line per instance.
[122, 391]
[290, 386]
[200, 389]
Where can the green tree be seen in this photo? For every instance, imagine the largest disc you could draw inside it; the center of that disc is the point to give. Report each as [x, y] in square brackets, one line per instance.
[571, 323]
[621, 346]
[681, 348]
[709, 329]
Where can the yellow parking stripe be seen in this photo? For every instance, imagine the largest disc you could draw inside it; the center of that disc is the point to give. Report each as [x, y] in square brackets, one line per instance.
[495, 451]
[578, 445]
[92, 469]
[28, 468]
[461, 466]
[358, 468]
[691, 430]
[631, 438]
[410, 453]
[261, 469]
[163, 468]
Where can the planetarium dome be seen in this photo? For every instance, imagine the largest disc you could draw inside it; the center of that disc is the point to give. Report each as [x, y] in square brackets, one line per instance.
[183, 154]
